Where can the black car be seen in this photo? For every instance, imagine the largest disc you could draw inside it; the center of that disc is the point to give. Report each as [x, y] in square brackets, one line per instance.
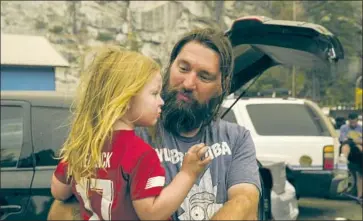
[34, 125]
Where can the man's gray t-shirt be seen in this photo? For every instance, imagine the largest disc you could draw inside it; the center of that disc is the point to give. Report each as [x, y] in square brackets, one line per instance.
[234, 162]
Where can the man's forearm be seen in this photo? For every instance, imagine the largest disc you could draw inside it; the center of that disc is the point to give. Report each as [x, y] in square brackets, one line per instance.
[239, 208]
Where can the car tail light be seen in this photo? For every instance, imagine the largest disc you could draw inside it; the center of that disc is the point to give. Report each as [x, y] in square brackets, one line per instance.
[328, 157]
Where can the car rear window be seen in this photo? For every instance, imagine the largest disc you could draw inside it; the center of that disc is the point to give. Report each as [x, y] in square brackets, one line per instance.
[230, 116]
[286, 120]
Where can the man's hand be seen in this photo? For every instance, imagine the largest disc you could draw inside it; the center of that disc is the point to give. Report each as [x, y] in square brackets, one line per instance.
[242, 203]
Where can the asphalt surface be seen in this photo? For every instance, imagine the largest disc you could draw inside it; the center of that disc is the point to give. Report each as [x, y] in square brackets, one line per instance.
[327, 209]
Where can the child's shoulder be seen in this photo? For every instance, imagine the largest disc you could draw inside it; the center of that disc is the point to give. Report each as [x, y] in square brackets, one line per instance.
[137, 145]
[133, 148]
[140, 144]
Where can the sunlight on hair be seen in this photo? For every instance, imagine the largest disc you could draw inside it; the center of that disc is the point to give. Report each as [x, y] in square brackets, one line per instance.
[109, 78]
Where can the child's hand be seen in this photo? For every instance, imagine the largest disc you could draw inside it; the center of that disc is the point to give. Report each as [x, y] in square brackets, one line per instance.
[195, 161]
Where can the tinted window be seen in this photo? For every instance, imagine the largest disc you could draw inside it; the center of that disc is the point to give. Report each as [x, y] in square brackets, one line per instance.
[11, 135]
[49, 130]
[286, 120]
[230, 116]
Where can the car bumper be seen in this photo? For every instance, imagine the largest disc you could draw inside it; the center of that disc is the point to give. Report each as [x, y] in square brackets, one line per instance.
[313, 183]
[284, 206]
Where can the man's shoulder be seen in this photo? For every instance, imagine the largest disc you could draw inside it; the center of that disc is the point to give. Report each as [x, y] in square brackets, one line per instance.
[230, 131]
[228, 126]
[144, 134]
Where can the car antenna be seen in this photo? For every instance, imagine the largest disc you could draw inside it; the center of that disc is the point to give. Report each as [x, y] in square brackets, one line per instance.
[243, 93]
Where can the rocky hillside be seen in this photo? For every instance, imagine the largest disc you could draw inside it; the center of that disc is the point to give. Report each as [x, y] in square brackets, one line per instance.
[150, 27]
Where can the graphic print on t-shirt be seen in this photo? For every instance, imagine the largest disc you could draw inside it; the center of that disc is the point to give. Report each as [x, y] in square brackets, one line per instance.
[225, 171]
[174, 156]
[202, 200]
[200, 203]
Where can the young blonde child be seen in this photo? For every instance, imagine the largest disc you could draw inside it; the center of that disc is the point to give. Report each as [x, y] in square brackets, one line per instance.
[113, 173]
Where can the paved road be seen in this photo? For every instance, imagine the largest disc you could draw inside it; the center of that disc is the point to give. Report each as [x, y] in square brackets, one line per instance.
[324, 209]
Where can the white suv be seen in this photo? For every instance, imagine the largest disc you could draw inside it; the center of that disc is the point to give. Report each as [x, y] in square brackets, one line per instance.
[283, 199]
[295, 131]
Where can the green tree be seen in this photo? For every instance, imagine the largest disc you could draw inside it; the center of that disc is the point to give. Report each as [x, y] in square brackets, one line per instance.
[280, 76]
[343, 19]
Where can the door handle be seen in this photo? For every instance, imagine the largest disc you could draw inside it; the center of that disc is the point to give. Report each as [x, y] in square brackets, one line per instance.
[10, 209]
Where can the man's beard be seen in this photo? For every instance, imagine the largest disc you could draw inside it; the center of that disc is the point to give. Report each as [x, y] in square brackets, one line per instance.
[184, 116]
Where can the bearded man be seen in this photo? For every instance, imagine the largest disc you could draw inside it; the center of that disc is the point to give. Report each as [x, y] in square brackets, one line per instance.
[196, 82]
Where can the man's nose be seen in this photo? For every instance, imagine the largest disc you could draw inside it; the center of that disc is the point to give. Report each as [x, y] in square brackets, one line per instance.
[189, 82]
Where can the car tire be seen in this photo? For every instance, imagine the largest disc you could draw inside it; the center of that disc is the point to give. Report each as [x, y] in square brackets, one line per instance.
[352, 189]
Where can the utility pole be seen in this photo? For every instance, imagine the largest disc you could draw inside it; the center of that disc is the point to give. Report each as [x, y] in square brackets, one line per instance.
[132, 43]
[293, 67]
[73, 15]
[129, 29]
[219, 7]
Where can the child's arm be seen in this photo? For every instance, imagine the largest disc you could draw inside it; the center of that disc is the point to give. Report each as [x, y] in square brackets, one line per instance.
[60, 188]
[171, 197]
[60, 191]
[169, 200]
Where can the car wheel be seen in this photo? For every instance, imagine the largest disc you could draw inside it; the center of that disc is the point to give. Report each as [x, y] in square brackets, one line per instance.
[350, 191]
[352, 187]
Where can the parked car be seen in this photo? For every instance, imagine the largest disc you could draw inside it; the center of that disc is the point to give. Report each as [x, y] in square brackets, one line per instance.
[283, 194]
[297, 132]
[260, 43]
[27, 165]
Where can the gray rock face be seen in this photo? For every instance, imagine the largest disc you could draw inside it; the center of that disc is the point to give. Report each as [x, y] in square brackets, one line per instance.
[149, 27]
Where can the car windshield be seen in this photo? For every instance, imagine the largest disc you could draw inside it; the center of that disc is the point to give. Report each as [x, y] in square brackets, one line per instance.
[286, 120]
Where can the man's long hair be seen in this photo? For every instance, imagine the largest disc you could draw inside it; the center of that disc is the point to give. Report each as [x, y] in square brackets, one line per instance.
[218, 42]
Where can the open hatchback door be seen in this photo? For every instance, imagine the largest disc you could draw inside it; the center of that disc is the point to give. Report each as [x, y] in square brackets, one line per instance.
[260, 43]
